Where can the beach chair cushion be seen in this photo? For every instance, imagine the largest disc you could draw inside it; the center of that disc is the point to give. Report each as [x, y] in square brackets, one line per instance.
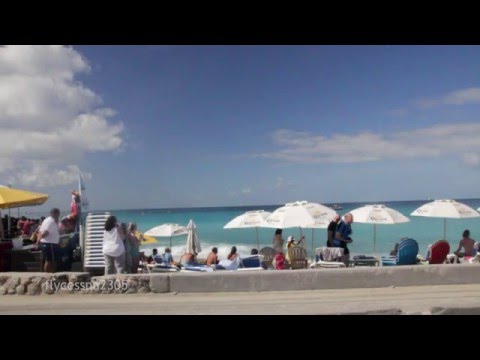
[327, 264]
[253, 261]
[161, 268]
[406, 255]
[198, 268]
[439, 252]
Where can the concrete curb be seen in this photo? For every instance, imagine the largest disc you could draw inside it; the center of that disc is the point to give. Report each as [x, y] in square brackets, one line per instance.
[254, 281]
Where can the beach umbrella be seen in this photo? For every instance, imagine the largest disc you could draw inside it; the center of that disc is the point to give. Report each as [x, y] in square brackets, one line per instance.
[167, 230]
[377, 214]
[193, 242]
[289, 216]
[11, 198]
[15, 198]
[301, 214]
[250, 219]
[446, 209]
[322, 216]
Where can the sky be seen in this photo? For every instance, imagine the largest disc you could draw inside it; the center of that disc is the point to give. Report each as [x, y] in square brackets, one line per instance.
[194, 126]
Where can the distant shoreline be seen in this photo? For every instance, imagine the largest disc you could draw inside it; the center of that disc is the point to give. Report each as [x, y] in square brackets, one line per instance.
[243, 207]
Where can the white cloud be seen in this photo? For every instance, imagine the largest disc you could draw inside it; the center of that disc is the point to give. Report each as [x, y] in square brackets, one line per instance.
[462, 140]
[41, 175]
[281, 183]
[247, 191]
[48, 119]
[457, 97]
[471, 159]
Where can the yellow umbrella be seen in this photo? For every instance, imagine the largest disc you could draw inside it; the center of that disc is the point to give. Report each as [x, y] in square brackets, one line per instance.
[10, 198]
[147, 240]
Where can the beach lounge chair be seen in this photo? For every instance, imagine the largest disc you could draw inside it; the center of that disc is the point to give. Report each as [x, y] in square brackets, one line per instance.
[364, 260]
[268, 254]
[298, 258]
[328, 257]
[155, 268]
[406, 255]
[251, 263]
[439, 252]
[201, 268]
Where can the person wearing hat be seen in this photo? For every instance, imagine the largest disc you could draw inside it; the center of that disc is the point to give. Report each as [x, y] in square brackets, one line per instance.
[70, 221]
[291, 243]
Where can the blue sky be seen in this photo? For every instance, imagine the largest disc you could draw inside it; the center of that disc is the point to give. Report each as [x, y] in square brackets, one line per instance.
[251, 125]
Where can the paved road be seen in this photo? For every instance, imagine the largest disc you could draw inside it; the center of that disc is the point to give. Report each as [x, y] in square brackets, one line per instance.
[418, 299]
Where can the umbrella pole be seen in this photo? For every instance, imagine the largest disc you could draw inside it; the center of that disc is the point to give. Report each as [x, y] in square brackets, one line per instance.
[304, 245]
[374, 239]
[9, 225]
[445, 229]
[313, 255]
[258, 243]
[170, 242]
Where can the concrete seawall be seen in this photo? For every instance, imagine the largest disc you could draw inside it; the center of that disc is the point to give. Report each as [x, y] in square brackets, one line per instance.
[231, 281]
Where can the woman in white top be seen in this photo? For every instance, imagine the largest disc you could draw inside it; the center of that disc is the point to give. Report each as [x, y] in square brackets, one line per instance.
[113, 248]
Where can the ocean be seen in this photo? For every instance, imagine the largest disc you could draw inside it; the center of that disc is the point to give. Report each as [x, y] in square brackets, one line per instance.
[210, 222]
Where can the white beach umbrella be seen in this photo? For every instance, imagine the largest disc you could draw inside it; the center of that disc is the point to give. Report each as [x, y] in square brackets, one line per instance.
[446, 209]
[250, 219]
[167, 230]
[377, 214]
[301, 214]
[193, 242]
[321, 214]
[291, 215]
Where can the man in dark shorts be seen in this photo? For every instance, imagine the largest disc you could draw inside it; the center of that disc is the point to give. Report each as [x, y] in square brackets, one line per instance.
[342, 236]
[332, 229]
[49, 239]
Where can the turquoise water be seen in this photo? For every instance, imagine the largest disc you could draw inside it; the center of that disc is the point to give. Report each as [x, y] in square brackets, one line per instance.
[210, 222]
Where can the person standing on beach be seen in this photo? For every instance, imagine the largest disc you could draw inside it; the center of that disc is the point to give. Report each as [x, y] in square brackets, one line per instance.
[278, 241]
[342, 236]
[332, 229]
[134, 246]
[49, 239]
[113, 247]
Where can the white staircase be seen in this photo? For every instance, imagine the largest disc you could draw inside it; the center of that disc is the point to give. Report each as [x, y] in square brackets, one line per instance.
[93, 255]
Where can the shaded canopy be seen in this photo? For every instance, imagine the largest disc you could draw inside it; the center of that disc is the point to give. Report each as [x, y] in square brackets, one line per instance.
[11, 198]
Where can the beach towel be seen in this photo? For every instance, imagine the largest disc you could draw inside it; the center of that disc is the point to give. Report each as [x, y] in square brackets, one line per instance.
[229, 264]
[331, 253]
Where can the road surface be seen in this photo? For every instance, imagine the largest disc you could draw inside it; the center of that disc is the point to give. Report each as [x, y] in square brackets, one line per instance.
[461, 299]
